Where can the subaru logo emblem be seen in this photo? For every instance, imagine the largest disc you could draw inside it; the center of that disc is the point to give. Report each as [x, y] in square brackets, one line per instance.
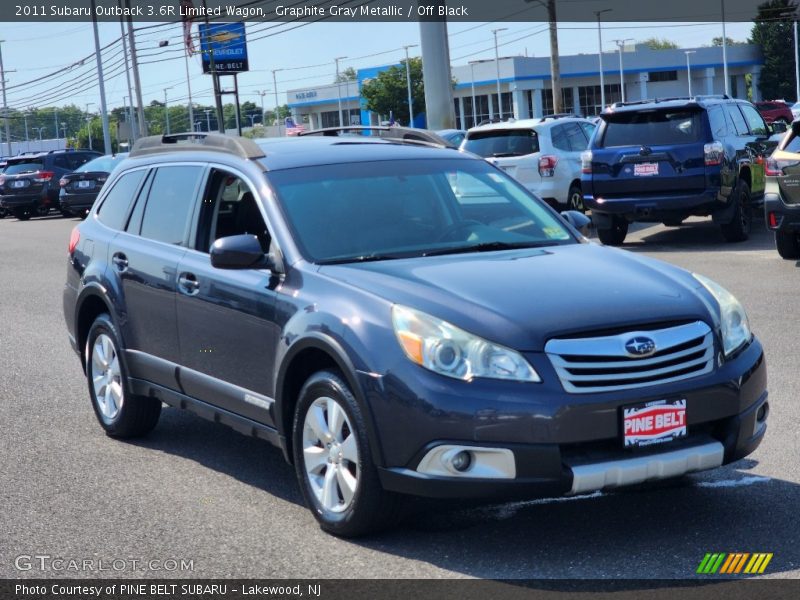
[640, 346]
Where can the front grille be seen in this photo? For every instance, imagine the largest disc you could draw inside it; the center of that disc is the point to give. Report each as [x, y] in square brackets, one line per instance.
[602, 364]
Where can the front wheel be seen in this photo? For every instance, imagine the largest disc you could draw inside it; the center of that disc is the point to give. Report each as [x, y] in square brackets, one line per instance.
[615, 235]
[22, 214]
[738, 230]
[120, 413]
[788, 244]
[332, 458]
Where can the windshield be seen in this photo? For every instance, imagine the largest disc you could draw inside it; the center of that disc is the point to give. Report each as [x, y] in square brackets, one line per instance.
[22, 167]
[502, 142]
[652, 128]
[104, 164]
[406, 208]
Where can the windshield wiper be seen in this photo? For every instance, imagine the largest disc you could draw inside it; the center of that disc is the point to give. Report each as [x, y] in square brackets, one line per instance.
[506, 154]
[488, 247]
[359, 259]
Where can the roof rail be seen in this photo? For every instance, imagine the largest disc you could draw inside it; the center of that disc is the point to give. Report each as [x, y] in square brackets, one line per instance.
[217, 142]
[561, 116]
[672, 98]
[396, 134]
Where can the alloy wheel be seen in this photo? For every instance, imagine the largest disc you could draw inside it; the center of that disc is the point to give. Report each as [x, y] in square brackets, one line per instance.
[106, 377]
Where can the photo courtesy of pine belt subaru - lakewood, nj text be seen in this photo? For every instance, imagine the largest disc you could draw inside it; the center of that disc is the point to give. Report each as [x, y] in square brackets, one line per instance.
[340, 297]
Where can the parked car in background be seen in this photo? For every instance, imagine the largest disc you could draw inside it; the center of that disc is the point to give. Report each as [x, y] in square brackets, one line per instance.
[782, 195]
[393, 339]
[453, 136]
[775, 110]
[544, 155]
[795, 108]
[80, 188]
[29, 183]
[663, 161]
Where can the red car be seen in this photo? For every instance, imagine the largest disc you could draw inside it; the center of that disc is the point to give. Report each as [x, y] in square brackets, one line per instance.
[775, 110]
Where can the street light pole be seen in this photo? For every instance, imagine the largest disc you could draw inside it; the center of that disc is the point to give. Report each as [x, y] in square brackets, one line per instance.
[474, 106]
[600, 57]
[275, 89]
[339, 89]
[725, 53]
[166, 110]
[208, 120]
[689, 70]
[408, 83]
[620, 47]
[89, 123]
[27, 140]
[497, 69]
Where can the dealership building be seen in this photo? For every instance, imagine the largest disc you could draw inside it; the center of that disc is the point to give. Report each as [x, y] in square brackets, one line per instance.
[526, 91]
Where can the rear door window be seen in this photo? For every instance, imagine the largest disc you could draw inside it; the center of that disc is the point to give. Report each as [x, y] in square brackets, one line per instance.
[739, 124]
[754, 120]
[114, 211]
[716, 118]
[502, 142]
[575, 138]
[170, 203]
[653, 128]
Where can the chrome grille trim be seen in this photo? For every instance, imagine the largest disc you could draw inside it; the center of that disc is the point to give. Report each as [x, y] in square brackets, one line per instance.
[613, 368]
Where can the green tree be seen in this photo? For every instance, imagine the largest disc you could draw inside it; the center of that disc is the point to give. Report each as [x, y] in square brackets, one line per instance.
[388, 91]
[717, 41]
[655, 43]
[771, 29]
[349, 74]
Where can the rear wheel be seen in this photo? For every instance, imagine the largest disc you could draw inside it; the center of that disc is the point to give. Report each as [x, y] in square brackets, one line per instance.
[120, 413]
[615, 235]
[575, 198]
[788, 244]
[738, 230]
[66, 213]
[332, 457]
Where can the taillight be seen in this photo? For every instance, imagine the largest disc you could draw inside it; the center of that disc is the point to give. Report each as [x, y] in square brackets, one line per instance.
[74, 238]
[713, 154]
[773, 220]
[547, 165]
[586, 162]
[775, 167]
[63, 182]
[43, 176]
[102, 179]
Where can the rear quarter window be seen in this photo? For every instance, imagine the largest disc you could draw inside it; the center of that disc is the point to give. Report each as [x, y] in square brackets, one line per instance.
[653, 128]
[502, 142]
[114, 211]
[791, 144]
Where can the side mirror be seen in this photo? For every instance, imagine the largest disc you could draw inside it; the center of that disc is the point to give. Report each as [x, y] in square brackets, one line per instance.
[578, 220]
[779, 127]
[240, 252]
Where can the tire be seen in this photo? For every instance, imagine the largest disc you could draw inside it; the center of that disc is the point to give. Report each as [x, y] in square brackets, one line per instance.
[615, 235]
[121, 414]
[66, 213]
[369, 508]
[3, 213]
[738, 230]
[22, 214]
[575, 199]
[788, 244]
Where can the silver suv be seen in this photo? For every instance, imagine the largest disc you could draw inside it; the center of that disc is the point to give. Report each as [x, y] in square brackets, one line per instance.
[544, 155]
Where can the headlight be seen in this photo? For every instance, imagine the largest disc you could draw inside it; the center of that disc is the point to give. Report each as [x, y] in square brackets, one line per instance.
[733, 318]
[448, 350]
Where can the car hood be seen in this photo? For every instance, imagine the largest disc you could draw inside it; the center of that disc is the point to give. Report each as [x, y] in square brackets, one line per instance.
[523, 298]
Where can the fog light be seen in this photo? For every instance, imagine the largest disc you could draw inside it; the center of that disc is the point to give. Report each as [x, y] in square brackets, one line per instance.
[461, 461]
[762, 412]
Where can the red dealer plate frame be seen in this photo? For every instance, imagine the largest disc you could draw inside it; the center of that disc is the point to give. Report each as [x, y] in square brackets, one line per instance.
[653, 423]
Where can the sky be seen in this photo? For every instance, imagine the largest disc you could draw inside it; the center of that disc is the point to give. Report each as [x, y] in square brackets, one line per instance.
[305, 53]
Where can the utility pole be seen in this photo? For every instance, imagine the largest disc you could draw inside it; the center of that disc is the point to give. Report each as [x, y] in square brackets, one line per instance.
[55, 118]
[262, 93]
[689, 70]
[275, 89]
[136, 79]
[128, 111]
[27, 139]
[213, 71]
[796, 67]
[555, 66]
[408, 83]
[89, 124]
[600, 58]
[188, 84]
[102, 85]
[339, 90]
[166, 110]
[725, 53]
[474, 106]
[5, 104]
[497, 70]
[208, 119]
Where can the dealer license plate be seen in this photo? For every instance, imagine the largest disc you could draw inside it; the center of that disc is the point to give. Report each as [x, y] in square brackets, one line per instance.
[653, 423]
[645, 169]
[19, 183]
[85, 185]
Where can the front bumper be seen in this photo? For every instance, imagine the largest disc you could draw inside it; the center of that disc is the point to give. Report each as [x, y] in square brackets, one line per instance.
[786, 216]
[565, 443]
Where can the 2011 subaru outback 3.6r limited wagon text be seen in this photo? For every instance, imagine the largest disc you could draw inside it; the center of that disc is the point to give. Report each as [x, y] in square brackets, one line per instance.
[340, 298]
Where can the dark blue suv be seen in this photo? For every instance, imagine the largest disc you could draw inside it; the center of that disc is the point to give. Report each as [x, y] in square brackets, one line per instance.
[662, 161]
[395, 318]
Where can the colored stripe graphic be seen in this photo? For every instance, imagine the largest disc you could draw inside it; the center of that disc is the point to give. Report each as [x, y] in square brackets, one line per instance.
[734, 563]
[711, 562]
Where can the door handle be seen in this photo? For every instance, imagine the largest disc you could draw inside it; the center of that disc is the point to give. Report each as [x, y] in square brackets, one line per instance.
[120, 261]
[188, 284]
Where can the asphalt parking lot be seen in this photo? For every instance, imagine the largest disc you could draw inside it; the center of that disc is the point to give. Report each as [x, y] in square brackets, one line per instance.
[198, 491]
